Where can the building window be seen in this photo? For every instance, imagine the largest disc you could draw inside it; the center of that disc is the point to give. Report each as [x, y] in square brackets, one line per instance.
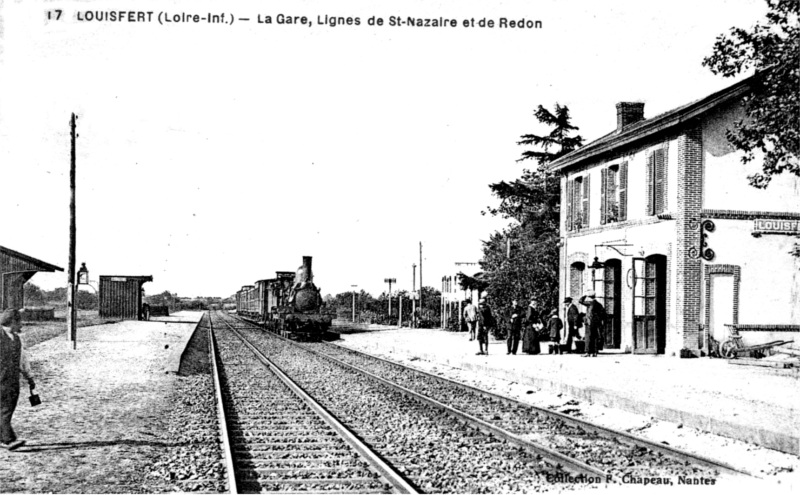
[614, 193]
[657, 182]
[576, 280]
[578, 203]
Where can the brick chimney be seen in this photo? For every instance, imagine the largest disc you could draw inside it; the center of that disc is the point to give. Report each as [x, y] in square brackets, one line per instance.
[629, 113]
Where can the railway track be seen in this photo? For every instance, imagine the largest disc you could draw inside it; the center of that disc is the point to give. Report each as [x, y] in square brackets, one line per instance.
[438, 453]
[618, 453]
[564, 448]
[279, 439]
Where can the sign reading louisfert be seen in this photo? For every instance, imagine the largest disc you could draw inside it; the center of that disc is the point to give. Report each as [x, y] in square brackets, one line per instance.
[768, 226]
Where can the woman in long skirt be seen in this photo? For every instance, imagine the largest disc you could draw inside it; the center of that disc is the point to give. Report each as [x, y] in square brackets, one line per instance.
[530, 333]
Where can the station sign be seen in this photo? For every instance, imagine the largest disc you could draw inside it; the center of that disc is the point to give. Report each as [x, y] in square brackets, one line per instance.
[119, 279]
[771, 226]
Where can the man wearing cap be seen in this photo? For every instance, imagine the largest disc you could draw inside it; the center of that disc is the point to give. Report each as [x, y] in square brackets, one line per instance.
[595, 317]
[12, 363]
[573, 321]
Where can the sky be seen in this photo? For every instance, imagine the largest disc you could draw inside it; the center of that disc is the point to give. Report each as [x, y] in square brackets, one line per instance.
[212, 155]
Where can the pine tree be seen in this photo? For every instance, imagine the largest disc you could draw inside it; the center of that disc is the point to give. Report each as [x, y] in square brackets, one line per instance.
[532, 202]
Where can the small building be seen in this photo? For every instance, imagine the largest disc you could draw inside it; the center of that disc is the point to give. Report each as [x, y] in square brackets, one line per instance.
[454, 297]
[658, 218]
[121, 296]
[16, 269]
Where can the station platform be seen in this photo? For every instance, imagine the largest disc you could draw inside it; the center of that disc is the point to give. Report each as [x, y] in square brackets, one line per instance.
[752, 404]
[103, 412]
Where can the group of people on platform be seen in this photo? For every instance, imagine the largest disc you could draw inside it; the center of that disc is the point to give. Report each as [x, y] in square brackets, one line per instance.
[531, 327]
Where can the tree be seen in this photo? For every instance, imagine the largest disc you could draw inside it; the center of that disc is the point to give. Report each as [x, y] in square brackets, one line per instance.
[86, 300]
[32, 295]
[530, 270]
[772, 110]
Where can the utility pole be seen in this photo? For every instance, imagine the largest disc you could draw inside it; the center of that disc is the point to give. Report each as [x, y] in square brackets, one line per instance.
[400, 314]
[354, 302]
[420, 277]
[390, 281]
[71, 308]
[413, 290]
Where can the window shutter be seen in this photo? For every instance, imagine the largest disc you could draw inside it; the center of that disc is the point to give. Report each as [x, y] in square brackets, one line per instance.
[623, 191]
[577, 217]
[613, 204]
[650, 173]
[603, 195]
[661, 179]
[586, 190]
[568, 222]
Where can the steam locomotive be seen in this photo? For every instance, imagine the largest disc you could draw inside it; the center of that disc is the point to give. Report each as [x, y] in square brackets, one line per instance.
[289, 304]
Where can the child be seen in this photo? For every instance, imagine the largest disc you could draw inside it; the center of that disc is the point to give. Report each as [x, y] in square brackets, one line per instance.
[554, 326]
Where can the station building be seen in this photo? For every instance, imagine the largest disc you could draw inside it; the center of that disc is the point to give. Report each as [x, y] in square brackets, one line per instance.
[16, 269]
[658, 218]
[121, 296]
[453, 296]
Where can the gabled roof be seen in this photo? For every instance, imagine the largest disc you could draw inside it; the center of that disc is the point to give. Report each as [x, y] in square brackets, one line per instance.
[649, 127]
[35, 265]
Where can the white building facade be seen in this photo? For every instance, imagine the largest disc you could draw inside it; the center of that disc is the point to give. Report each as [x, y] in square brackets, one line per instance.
[685, 248]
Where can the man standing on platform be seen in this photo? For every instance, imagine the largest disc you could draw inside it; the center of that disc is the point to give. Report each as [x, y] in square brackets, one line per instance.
[515, 315]
[471, 318]
[574, 323]
[595, 317]
[12, 362]
[485, 322]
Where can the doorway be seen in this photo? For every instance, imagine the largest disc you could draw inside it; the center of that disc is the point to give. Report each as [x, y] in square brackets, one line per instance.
[612, 300]
[650, 304]
[721, 305]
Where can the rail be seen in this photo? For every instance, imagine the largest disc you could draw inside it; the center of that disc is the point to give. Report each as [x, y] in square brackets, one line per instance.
[394, 478]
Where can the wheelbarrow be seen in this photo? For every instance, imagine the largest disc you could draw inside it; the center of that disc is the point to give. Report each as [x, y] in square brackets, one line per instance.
[733, 347]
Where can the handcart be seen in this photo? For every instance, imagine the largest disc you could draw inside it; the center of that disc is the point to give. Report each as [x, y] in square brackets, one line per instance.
[732, 347]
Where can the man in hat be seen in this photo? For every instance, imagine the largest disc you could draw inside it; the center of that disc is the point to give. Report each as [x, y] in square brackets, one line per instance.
[573, 321]
[515, 329]
[595, 317]
[12, 363]
[485, 321]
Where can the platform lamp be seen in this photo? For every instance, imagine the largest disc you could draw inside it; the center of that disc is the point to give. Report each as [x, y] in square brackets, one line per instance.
[390, 281]
[596, 265]
[83, 275]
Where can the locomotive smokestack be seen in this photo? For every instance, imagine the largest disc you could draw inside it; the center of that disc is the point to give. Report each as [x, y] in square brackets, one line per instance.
[307, 267]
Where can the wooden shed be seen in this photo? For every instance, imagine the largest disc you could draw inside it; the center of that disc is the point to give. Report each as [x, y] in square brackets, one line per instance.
[16, 269]
[121, 296]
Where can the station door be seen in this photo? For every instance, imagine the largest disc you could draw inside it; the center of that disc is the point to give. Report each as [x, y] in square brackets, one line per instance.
[649, 304]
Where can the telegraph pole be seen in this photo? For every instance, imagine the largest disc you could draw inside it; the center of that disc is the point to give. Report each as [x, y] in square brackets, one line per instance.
[354, 302]
[71, 308]
[413, 290]
[420, 277]
[390, 281]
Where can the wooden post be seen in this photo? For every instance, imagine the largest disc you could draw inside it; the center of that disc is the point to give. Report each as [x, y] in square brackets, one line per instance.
[413, 289]
[420, 279]
[400, 314]
[71, 307]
